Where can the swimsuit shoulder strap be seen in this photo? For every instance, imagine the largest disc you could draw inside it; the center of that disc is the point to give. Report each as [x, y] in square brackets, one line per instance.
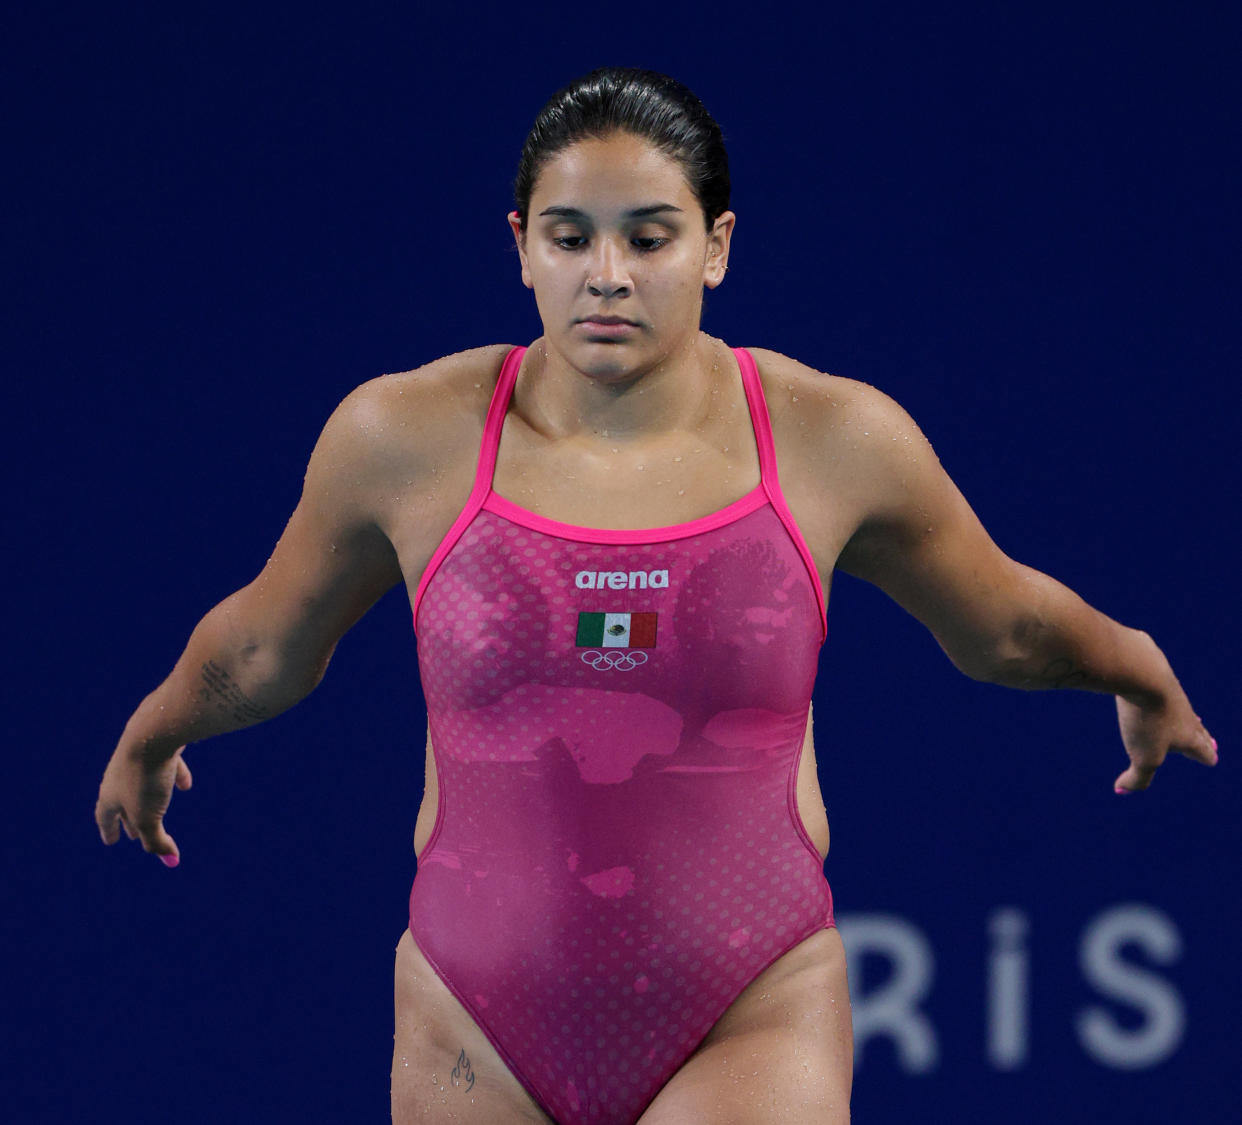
[496, 411]
[483, 473]
[762, 423]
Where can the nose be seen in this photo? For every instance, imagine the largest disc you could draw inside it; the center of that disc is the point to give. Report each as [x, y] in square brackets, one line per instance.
[608, 277]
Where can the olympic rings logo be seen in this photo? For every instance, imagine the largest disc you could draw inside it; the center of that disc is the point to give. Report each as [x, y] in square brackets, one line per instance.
[622, 659]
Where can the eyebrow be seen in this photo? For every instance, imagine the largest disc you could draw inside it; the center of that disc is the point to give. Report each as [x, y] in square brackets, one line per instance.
[637, 213]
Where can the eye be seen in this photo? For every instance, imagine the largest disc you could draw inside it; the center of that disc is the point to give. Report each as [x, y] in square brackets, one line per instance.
[569, 241]
[647, 245]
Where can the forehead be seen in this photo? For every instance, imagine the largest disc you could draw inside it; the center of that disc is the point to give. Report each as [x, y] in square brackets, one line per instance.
[620, 171]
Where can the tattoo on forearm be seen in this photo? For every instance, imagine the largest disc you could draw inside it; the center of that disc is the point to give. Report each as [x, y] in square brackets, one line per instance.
[463, 1072]
[1063, 673]
[221, 690]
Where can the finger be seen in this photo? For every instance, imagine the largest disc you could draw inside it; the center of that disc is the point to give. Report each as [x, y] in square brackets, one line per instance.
[163, 846]
[1202, 748]
[155, 840]
[184, 778]
[151, 834]
[109, 824]
[1134, 780]
[1199, 747]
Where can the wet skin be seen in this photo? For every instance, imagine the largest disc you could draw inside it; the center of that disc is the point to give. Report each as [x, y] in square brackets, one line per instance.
[784, 1045]
[625, 415]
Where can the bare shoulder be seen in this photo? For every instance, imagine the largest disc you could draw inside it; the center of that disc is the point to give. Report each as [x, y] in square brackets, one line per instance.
[847, 453]
[418, 418]
[817, 409]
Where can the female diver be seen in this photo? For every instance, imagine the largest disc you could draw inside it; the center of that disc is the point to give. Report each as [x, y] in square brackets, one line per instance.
[618, 544]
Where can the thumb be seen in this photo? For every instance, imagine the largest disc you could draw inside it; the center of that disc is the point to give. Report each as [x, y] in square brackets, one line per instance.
[184, 778]
[1204, 748]
[159, 843]
[172, 857]
[1133, 780]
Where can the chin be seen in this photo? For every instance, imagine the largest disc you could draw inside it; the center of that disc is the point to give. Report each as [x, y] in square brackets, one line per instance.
[608, 362]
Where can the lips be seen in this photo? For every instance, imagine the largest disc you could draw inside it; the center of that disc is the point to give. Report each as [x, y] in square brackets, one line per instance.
[606, 329]
[607, 320]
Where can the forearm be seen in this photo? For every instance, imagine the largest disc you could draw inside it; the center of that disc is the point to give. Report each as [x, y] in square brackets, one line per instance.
[1056, 640]
[230, 676]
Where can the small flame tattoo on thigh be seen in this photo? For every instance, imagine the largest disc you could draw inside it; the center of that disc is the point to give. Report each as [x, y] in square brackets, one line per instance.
[463, 1072]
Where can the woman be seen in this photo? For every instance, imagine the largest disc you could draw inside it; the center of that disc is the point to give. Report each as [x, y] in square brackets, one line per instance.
[618, 544]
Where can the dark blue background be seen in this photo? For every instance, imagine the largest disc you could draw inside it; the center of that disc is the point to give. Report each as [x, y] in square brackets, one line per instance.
[1022, 225]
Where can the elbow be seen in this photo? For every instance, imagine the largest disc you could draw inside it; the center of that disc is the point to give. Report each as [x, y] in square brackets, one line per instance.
[284, 674]
[978, 663]
[275, 662]
[1002, 655]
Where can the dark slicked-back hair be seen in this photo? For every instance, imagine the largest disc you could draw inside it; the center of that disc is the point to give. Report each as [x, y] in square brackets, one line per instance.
[645, 103]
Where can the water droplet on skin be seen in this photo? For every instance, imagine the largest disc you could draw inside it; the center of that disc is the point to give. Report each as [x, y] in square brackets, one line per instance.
[682, 492]
[676, 458]
[795, 398]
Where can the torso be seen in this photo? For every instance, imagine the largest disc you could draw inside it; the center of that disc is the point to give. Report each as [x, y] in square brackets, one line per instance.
[425, 428]
[611, 482]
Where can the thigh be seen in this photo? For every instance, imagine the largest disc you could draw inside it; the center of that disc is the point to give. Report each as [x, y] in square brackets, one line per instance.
[783, 1051]
[443, 1067]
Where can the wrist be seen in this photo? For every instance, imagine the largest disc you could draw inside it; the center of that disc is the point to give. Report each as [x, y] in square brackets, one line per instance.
[1151, 680]
[146, 736]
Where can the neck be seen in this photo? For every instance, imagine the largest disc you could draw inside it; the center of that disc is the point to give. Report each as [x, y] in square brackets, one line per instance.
[561, 401]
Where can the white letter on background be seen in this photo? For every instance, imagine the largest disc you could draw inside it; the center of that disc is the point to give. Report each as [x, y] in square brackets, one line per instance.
[1103, 1038]
[1008, 989]
[892, 1010]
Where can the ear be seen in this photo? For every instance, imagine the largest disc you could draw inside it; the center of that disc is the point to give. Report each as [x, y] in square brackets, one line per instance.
[717, 258]
[519, 236]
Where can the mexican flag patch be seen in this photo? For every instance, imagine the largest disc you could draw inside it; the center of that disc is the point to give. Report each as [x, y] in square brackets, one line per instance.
[617, 630]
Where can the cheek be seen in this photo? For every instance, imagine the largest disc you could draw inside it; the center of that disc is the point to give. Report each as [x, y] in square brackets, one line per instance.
[685, 288]
[551, 284]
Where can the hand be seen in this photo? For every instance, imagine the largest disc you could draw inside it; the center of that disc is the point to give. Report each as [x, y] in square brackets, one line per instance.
[1151, 731]
[135, 794]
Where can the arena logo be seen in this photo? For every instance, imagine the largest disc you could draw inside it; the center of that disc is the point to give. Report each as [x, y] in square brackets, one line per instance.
[1139, 1020]
[621, 580]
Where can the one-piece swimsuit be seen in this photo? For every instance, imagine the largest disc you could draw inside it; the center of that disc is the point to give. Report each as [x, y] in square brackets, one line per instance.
[617, 720]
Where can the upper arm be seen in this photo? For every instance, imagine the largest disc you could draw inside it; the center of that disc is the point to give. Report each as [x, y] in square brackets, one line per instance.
[916, 537]
[333, 560]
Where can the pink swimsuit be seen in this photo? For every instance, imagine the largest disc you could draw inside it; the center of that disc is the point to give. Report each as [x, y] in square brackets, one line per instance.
[617, 719]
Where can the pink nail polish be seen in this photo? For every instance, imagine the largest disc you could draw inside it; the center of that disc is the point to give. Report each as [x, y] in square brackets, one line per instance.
[1214, 750]
[1123, 792]
[170, 860]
